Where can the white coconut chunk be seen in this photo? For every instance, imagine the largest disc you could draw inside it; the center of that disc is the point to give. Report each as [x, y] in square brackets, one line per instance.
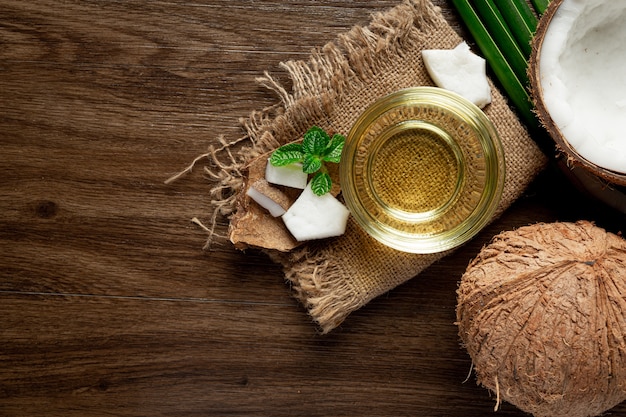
[461, 71]
[266, 202]
[289, 175]
[316, 217]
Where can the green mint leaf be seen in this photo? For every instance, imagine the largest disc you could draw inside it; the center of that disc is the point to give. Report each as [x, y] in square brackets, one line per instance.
[315, 141]
[317, 147]
[332, 153]
[293, 146]
[321, 183]
[287, 154]
[311, 163]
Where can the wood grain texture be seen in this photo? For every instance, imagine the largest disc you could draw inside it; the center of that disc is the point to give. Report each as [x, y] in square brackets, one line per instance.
[109, 305]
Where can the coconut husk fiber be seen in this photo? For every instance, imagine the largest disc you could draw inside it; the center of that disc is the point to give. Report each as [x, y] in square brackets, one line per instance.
[335, 277]
[542, 313]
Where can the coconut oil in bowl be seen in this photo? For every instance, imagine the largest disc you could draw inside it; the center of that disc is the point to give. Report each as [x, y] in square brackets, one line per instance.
[422, 170]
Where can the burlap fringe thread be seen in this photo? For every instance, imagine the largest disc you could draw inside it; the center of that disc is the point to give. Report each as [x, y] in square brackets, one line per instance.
[351, 62]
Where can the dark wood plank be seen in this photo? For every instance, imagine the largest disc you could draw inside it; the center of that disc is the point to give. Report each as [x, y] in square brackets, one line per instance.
[110, 306]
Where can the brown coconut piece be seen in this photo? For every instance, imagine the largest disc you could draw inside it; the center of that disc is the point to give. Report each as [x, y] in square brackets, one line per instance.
[572, 158]
[542, 313]
[275, 194]
[252, 225]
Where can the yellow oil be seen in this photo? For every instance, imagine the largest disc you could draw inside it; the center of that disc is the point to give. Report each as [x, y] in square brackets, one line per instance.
[416, 170]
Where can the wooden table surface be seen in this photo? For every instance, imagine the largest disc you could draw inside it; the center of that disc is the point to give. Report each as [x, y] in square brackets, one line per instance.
[109, 305]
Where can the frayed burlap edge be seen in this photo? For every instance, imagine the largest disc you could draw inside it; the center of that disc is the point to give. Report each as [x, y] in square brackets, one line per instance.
[320, 286]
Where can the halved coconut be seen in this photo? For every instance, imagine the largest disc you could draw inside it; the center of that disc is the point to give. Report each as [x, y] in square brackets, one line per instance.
[577, 73]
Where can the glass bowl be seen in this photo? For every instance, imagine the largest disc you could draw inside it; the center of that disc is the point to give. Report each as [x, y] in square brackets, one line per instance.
[422, 170]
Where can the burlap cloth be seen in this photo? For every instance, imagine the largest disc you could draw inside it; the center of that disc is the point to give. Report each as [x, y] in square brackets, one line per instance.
[334, 277]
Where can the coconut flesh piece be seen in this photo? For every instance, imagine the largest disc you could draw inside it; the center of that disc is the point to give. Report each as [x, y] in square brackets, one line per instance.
[582, 66]
[268, 197]
[288, 175]
[460, 71]
[316, 217]
[266, 202]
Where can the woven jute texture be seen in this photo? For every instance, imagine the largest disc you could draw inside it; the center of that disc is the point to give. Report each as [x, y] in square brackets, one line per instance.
[334, 277]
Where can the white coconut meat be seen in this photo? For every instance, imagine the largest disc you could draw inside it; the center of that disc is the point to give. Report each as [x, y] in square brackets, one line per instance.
[266, 201]
[461, 71]
[316, 217]
[288, 175]
[583, 78]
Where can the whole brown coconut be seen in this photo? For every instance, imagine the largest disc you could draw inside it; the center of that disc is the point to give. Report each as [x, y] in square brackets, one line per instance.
[588, 174]
[542, 313]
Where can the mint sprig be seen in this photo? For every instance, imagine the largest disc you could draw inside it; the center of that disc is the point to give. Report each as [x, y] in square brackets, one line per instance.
[317, 148]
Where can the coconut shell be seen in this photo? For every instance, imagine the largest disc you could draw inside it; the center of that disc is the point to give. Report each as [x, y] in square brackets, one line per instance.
[252, 225]
[542, 313]
[572, 158]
